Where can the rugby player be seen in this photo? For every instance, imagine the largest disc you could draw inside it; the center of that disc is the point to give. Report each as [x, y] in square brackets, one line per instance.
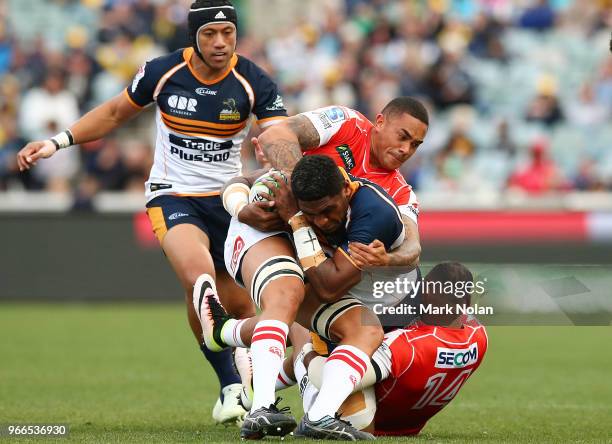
[419, 369]
[325, 196]
[205, 96]
[373, 151]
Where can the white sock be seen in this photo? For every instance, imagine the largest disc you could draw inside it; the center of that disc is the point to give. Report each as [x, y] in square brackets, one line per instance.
[284, 380]
[267, 353]
[230, 333]
[300, 370]
[341, 373]
[309, 395]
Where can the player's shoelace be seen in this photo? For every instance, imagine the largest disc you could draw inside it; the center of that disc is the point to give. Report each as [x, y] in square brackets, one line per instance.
[218, 316]
[284, 410]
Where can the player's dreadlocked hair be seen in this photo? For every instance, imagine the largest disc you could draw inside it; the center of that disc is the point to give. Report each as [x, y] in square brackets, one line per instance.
[407, 105]
[316, 177]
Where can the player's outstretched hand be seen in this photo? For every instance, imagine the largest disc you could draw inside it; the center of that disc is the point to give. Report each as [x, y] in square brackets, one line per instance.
[33, 151]
[284, 201]
[372, 255]
[259, 215]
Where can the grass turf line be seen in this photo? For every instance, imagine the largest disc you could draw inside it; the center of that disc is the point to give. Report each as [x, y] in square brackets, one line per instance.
[132, 373]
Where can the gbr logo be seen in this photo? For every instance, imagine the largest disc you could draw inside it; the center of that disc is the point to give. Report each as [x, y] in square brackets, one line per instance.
[182, 103]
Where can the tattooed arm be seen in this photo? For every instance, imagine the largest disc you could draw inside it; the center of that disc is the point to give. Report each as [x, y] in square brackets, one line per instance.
[283, 143]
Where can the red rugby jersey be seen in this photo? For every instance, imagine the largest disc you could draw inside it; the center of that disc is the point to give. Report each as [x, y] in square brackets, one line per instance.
[428, 367]
[345, 137]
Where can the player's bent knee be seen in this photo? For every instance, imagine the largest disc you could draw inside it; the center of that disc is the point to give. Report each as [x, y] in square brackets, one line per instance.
[370, 336]
[326, 316]
[274, 268]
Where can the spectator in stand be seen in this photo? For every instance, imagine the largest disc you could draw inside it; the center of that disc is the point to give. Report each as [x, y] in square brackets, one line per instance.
[545, 107]
[585, 110]
[540, 175]
[6, 48]
[486, 41]
[588, 178]
[448, 84]
[540, 17]
[454, 161]
[505, 143]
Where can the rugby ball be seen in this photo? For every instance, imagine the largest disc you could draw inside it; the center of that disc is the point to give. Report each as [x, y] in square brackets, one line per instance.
[262, 185]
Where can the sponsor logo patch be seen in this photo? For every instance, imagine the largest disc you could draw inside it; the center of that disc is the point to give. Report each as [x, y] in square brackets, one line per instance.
[456, 358]
[277, 105]
[199, 144]
[324, 120]
[335, 114]
[346, 154]
[276, 351]
[181, 103]
[206, 92]
[230, 110]
[238, 246]
[178, 215]
[220, 16]
[159, 186]
[205, 157]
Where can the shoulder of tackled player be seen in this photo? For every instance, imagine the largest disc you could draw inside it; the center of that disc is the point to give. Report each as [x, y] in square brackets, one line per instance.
[304, 130]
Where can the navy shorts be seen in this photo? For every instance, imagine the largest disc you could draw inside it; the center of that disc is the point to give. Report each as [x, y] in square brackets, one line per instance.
[206, 213]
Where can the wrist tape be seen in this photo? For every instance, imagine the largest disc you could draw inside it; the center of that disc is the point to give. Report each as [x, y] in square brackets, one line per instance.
[307, 245]
[63, 139]
[235, 198]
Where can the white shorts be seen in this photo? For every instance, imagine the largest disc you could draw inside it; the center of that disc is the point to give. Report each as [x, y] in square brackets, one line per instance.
[241, 237]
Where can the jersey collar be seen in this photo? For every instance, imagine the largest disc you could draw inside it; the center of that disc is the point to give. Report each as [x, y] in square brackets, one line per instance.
[353, 185]
[188, 52]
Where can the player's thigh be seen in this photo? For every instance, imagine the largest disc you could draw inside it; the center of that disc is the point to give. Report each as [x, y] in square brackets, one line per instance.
[346, 320]
[359, 327]
[272, 275]
[187, 248]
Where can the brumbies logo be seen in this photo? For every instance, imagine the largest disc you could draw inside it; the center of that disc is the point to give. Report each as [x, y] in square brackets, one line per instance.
[230, 110]
[345, 153]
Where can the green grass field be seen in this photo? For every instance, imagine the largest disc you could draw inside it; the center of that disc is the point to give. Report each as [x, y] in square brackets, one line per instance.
[132, 373]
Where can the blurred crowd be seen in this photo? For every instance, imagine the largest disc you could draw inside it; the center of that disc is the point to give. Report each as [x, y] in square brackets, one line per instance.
[520, 92]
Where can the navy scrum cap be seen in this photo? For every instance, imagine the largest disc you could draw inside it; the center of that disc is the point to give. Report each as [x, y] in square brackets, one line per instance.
[206, 12]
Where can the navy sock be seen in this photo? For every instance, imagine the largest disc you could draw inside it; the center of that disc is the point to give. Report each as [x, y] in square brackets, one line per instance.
[223, 365]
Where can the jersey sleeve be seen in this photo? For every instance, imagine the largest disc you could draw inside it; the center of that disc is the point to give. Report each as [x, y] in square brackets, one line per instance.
[269, 107]
[331, 121]
[401, 352]
[374, 217]
[407, 203]
[140, 92]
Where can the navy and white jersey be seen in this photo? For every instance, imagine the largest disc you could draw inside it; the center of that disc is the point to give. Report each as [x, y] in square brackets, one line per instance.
[201, 124]
[372, 214]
